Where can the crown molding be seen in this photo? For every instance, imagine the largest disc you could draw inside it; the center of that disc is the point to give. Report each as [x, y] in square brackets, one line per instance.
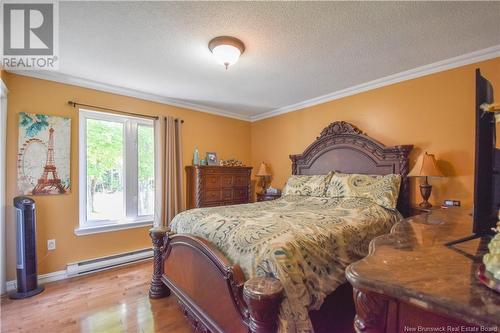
[86, 83]
[443, 65]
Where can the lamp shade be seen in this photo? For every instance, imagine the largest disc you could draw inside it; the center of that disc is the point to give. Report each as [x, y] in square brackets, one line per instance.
[426, 166]
[263, 171]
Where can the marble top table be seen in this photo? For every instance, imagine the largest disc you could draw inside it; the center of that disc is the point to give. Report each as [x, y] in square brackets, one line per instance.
[412, 264]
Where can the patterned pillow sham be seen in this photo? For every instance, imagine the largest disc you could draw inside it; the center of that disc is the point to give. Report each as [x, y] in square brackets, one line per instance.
[383, 190]
[314, 186]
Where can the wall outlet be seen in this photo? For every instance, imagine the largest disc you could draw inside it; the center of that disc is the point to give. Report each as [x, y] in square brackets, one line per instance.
[51, 244]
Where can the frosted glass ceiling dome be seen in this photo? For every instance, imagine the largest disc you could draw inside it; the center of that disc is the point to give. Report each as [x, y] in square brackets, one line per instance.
[226, 50]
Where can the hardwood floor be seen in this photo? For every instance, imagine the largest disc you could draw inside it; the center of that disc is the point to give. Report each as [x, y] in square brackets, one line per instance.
[112, 301]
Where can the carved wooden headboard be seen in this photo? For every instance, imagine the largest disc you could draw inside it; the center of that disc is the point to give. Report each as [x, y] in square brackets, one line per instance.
[342, 147]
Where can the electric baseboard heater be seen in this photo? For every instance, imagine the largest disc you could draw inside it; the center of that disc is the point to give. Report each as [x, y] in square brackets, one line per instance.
[26, 263]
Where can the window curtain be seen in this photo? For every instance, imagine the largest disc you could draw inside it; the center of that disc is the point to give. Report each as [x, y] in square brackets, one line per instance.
[168, 170]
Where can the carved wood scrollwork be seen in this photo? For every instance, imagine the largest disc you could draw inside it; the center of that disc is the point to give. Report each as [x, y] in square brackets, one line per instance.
[404, 191]
[371, 312]
[339, 127]
[199, 186]
[345, 136]
[197, 325]
[237, 293]
[158, 289]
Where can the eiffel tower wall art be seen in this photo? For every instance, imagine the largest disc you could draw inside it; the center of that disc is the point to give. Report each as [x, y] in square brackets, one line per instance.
[43, 159]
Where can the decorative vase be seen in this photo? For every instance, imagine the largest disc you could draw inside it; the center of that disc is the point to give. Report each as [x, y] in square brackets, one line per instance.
[196, 157]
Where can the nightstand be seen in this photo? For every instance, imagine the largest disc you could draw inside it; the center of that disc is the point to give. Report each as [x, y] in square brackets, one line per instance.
[416, 210]
[268, 196]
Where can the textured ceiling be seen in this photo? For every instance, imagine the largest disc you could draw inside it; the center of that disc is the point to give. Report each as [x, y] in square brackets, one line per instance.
[295, 51]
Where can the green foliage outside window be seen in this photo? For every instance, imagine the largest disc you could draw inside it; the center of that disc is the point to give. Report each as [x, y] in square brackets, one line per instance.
[105, 149]
[145, 141]
[145, 150]
[104, 157]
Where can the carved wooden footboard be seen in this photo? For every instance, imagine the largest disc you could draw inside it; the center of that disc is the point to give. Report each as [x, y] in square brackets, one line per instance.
[212, 293]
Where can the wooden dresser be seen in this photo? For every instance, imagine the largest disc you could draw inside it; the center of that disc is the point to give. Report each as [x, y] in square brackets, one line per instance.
[209, 186]
[412, 282]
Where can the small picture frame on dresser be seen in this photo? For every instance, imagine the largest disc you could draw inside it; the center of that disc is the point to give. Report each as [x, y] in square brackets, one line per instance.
[211, 158]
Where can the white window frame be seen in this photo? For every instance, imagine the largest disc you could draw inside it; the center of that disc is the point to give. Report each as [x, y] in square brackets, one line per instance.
[130, 183]
[3, 158]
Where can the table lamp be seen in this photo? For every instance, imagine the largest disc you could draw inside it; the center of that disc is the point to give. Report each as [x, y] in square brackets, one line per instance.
[264, 176]
[426, 166]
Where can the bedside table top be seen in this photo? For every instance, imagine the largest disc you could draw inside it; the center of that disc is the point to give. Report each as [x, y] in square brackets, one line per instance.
[268, 196]
[420, 210]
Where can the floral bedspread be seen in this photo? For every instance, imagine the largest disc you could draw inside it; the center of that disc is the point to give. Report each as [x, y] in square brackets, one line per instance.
[305, 242]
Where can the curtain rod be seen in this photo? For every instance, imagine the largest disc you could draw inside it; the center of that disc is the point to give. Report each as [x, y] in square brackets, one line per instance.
[74, 104]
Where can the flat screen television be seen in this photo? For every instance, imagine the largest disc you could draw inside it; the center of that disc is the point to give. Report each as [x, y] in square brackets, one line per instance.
[486, 166]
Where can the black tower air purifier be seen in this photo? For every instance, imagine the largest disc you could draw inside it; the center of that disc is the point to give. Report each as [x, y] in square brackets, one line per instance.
[27, 279]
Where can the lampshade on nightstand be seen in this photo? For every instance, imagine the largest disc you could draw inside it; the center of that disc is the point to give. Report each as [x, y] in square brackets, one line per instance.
[263, 171]
[426, 167]
[264, 175]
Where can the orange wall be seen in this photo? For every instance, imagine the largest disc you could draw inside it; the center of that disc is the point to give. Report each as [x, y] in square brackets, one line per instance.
[435, 113]
[57, 216]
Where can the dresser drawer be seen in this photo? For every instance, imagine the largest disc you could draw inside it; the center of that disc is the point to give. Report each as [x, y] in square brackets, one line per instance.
[212, 195]
[241, 180]
[227, 181]
[240, 193]
[212, 182]
[213, 204]
[227, 194]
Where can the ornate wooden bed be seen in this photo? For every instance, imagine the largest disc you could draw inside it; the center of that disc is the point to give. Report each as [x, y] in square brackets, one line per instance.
[212, 292]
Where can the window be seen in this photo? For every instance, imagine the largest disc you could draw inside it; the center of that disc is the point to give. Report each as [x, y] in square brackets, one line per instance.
[116, 172]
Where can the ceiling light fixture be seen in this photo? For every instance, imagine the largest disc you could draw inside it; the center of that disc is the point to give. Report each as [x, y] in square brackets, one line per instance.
[226, 49]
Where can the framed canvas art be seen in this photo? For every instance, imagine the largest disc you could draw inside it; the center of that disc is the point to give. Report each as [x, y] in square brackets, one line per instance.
[43, 160]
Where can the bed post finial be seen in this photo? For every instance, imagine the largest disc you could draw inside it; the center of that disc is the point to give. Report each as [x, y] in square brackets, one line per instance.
[263, 297]
[158, 289]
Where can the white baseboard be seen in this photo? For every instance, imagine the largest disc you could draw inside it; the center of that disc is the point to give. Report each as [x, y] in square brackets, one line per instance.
[42, 279]
[98, 264]
[72, 271]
